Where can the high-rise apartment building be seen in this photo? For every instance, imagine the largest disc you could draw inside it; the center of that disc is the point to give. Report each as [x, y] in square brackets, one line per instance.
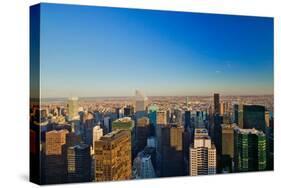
[202, 154]
[113, 156]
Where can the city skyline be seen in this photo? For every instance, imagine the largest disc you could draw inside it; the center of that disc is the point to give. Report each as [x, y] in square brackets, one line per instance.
[163, 53]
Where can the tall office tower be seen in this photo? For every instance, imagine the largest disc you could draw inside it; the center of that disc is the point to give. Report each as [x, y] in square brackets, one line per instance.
[249, 150]
[217, 103]
[267, 118]
[107, 124]
[186, 101]
[113, 156]
[72, 107]
[169, 152]
[161, 117]
[97, 134]
[187, 119]
[142, 166]
[235, 113]
[78, 162]
[227, 147]
[55, 171]
[143, 131]
[140, 103]
[202, 154]
[254, 117]
[128, 111]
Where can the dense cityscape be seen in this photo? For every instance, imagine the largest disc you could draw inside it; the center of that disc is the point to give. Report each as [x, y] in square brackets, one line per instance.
[139, 137]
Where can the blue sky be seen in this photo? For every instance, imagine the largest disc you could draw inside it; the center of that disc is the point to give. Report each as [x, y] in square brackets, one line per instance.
[96, 51]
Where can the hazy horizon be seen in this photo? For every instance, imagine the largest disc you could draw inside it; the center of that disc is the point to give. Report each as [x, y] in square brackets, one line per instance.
[98, 51]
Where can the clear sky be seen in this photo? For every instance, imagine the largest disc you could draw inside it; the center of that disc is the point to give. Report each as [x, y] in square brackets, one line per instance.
[91, 51]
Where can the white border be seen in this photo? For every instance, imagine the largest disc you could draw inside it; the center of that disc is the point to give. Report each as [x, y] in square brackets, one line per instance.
[14, 84]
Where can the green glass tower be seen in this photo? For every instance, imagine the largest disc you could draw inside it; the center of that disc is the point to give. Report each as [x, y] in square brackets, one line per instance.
[249, 150]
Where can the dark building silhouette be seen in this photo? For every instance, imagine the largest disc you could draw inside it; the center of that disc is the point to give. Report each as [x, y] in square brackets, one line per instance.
[78, 163]
[216, 103]
[254, 117]
[169, 150]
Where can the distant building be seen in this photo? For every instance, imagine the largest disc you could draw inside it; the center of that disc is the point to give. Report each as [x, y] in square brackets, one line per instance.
[240, 116]
[267, 118]
[107, 123]
[249, 150]
[140, 103]
[217, 103]
[113, 156]
[72, 106]
[128, 111]
[152, 114]
[78, 159]
[161, 117]
[202, 154]
[187, 119]
[235, 113]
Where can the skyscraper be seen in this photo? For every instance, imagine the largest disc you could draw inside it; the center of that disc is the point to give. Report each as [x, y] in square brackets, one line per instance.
[187, 119]
[240, 115]
[169, 150]
[202, 154]
[254, 117]
[113, 156]
[140, 103]
[72, 106]
[227, 146]
[249, 150]
[78, 161]
[143, 131]
[217, 103]
[235, 113]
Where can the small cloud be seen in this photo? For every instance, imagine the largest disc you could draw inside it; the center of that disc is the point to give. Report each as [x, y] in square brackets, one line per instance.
[218, 71]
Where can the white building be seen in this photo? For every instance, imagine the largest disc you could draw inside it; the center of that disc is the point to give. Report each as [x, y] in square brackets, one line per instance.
[202, 154]
[97, 134]
[72, 106]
